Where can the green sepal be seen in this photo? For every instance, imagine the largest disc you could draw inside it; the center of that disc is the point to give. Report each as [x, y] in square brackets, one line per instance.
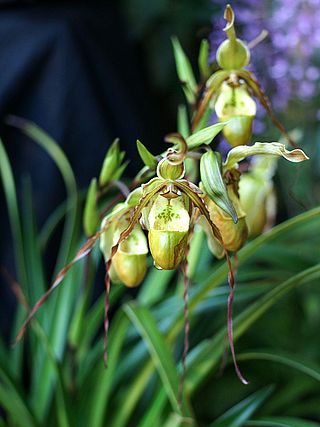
[184, 71]
[203, 59]
[239, 153]
[90, 215]
[147, 158]
[213, 183]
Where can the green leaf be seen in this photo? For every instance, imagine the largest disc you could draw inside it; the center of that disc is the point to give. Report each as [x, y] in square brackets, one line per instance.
[205, 136]
[150, 294]
[184, 71]
[213, 183]
[103, 379]
[147, 158]
[57, 155]
[183, 121]
[154, 410]
[14, 403]
[146, 325]
[176, 420]
[203, 59]
[91, 214]
[281, 422]
[208, 357]
[13, 210]
[18, 241]
[240, 413]
[289, 360]
[60, 306]
[121, 419]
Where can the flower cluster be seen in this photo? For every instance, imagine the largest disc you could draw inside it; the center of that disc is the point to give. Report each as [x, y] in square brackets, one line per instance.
[160, 214]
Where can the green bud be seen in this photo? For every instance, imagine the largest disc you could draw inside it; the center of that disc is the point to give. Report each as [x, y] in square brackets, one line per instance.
[111, 167]
[232, 54]
[169, 223]
[257, 195]
[235, 102]
[233, 235]
[90, 215]
[167, 170]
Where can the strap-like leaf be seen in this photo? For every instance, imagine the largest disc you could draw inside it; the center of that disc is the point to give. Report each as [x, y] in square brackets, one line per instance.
[281, 422]
[159, 352]
[240, 413]
[184, 71]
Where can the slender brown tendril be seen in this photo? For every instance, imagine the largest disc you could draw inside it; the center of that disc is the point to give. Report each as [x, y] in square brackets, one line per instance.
[232, 285]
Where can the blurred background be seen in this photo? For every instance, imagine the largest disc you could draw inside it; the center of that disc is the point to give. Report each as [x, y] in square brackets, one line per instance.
[88, 72]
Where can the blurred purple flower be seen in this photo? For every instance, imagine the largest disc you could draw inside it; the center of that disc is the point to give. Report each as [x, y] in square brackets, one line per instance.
[283, 62]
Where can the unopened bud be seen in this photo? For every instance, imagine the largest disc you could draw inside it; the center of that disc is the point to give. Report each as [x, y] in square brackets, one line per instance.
[167, 170]
[233, 55]
[233, 235]
[258, 201]
[90, 214]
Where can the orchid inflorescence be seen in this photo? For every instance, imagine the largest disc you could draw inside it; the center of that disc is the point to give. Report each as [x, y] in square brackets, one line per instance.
[229, 202]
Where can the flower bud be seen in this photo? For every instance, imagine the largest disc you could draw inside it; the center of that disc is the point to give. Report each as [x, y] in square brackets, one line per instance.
[258, 201]
[91, 214]
[232, 55]
[235, 102]
[112, 168]
[168, 233]
[167, 170]
[233, 235]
